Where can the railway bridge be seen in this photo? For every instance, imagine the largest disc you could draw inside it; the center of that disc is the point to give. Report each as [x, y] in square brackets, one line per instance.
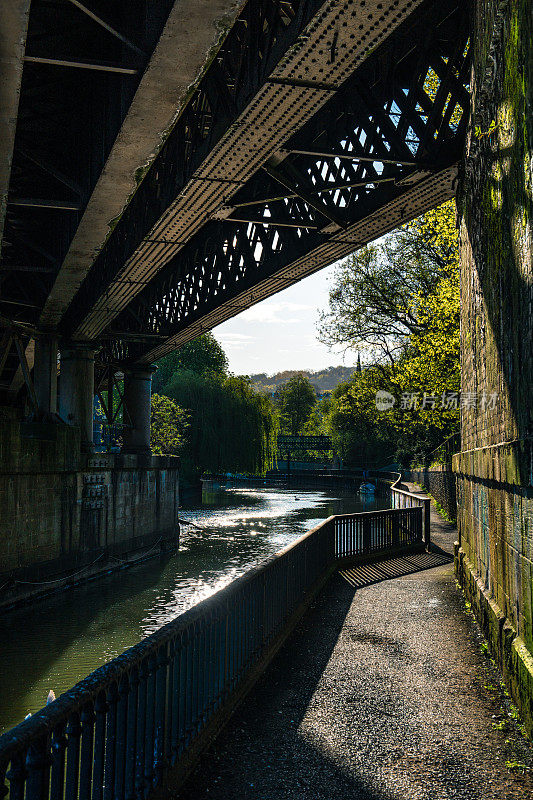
[173, 166]
[165, 164]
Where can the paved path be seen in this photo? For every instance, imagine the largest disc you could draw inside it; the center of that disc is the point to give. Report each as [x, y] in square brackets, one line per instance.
[383, 693]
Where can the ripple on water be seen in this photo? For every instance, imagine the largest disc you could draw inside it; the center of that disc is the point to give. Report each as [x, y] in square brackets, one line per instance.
[55, 643]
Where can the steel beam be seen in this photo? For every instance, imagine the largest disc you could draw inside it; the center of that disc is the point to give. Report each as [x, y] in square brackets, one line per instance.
[195, 29]
[103, 24]
[305, 193]
[352, 157]
[262, 128]
[13, 29]
[39, 202]
[97, 67]
[223, 270]
[51, 170]
[25, 268]
[428, 193]
[17, 381]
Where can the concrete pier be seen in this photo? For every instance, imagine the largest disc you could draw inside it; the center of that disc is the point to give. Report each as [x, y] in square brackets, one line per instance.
[45, 374]
[137, 404]
[76, 394]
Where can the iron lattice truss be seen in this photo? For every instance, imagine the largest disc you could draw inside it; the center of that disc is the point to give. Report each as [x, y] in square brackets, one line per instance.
[304, 444]
[382, 150]
[318, 126]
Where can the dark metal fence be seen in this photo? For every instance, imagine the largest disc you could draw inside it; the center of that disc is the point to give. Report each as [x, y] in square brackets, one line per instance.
[132, 728]
[377, 531]
[401, 498]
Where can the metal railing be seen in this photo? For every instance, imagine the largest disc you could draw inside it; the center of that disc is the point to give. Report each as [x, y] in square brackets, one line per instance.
[372, 532]
[402, 498]
[133, 727]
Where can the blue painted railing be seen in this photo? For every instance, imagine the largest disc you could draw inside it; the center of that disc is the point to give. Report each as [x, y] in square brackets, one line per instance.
[133, 727]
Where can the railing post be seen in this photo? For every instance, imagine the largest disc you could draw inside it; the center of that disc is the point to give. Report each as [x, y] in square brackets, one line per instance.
[38, 764]
[17, 776]
[427, 529]
[73, 756]
[366, 534]
[59, 746]
[395, 530]
[88, 718]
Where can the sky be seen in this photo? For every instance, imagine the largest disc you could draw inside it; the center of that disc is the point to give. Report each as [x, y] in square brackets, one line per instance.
[281, 332]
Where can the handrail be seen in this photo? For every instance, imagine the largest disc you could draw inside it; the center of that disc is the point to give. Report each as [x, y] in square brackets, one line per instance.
[136, 723]
[402, 498]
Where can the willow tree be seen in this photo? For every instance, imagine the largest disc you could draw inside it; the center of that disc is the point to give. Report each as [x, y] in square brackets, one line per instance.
[231, 428]
[202, 355]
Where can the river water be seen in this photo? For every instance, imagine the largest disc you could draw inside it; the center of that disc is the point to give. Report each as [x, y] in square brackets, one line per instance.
[57, 642]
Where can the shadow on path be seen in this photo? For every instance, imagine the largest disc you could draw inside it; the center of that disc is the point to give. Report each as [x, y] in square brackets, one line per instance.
[380, 694]
[367, 574]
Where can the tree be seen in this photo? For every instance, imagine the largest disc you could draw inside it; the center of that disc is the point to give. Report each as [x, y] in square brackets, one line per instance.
[416, 324]
[203, 355]
[168, 425]
[231, 427]
[373, 303]
[296, 400]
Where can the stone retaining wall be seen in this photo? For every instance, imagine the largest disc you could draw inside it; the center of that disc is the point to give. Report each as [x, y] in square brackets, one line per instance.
[495, 469]
[63, 511]
[440, 483]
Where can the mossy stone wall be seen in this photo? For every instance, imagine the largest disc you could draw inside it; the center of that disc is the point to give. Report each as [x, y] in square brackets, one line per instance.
[495, 468]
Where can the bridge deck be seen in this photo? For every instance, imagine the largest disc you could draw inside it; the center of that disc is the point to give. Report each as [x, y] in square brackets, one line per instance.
[382, 694]
[167, 175]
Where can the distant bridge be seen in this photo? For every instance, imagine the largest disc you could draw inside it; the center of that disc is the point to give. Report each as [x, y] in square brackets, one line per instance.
[303, 444]
[149, 200]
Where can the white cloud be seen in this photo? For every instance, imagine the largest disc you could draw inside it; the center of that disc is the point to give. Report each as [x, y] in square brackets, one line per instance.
[280, 332]
[235, 341]
[275, 311]
[233, 337]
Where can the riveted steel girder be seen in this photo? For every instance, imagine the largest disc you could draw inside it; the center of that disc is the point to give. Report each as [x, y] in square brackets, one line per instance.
[308, 129]
[382, 150]
[275, 72]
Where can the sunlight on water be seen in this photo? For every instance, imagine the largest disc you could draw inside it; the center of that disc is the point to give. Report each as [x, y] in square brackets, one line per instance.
[56, 642]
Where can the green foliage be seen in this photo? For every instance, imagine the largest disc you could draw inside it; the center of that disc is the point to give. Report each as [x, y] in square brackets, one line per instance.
[168, 425]
[232, 428]
[296, 401]
[400, 301]
[373, 300]
[203, 355]
[360, 434]
[479, 133]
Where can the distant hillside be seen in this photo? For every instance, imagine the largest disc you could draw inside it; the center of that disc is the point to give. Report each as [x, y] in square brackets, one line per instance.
[322, 380]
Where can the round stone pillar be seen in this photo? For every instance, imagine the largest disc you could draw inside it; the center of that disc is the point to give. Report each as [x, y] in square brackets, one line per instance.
[76, 389]
[45, 374]
[137, 407]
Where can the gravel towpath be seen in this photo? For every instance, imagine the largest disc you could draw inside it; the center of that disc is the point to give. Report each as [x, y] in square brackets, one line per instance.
[383, 693]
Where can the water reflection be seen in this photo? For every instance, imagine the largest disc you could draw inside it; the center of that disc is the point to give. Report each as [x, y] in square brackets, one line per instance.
[57, 642]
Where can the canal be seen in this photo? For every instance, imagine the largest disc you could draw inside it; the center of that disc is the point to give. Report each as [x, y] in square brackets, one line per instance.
[56, 642]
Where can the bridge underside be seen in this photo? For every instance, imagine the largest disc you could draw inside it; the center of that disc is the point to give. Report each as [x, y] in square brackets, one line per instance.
[313, 128]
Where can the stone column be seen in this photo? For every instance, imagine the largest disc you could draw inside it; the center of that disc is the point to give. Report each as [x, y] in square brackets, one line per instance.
[45, 373]
[137, 406]
[76, 395]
